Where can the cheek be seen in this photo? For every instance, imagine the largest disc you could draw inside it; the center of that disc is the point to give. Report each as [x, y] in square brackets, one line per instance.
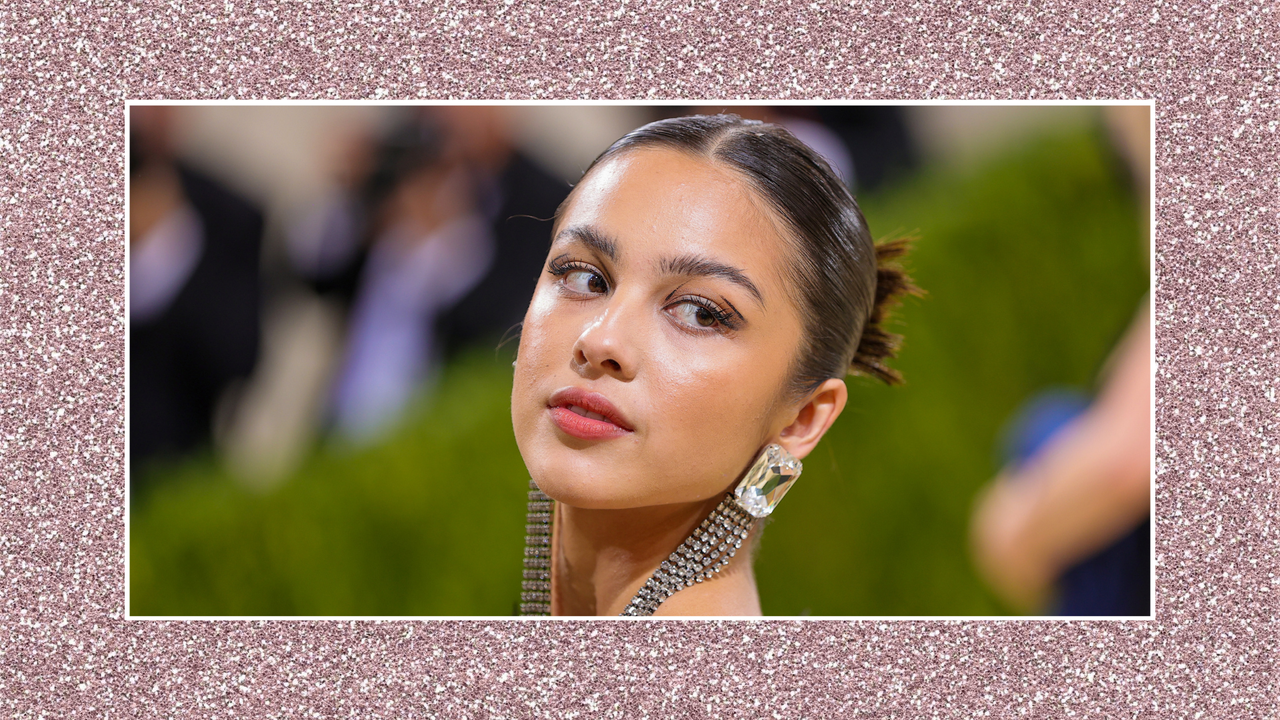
[541, 341]
[549, 329]
[704, 383]
[713, 407]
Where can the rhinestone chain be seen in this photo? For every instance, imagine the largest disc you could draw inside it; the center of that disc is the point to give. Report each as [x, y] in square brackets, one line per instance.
[703, 554]
[535, 595]
[700, 557]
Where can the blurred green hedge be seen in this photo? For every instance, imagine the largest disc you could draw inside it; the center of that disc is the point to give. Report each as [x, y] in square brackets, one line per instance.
[1033, 265]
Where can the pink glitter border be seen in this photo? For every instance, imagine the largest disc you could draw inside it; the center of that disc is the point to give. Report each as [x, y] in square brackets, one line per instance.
[65, 648]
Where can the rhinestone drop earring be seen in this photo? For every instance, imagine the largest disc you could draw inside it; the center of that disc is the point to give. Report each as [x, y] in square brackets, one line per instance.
[700, 557]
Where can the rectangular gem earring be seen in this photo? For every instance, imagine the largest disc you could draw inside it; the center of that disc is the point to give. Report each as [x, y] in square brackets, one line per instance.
[703, 554]
[772, 475]
[710, 546]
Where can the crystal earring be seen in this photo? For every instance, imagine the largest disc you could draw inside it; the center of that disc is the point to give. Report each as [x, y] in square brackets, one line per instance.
[700, 557]
[772, 475]
[708, 549]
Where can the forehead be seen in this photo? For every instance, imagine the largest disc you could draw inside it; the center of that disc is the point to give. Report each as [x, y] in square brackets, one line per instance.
[661, 202]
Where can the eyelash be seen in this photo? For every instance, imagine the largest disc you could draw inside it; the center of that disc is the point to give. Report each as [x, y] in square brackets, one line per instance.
[559, 267]
[726, 320]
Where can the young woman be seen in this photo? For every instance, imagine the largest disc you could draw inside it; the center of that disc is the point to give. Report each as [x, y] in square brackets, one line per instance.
[710, 281]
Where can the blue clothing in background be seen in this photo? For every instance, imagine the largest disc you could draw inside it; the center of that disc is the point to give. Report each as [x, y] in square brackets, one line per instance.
[1117, 579]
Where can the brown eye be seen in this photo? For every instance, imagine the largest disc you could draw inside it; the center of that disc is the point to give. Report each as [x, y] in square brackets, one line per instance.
[585, 281]
[694, 314]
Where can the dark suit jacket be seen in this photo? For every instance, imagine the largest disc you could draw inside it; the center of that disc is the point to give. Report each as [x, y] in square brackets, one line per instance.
[181, 361]
[522, 235]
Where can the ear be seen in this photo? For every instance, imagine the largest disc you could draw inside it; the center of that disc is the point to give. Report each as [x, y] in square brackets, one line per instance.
[814, 417]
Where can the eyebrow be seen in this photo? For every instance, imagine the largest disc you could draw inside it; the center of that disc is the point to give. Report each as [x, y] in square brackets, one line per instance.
[693, 265]
[686, 265]
[592, 238]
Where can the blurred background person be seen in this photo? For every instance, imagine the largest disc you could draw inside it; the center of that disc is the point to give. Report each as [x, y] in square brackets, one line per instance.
[1065, 528]
[193, 289]
[431, 240]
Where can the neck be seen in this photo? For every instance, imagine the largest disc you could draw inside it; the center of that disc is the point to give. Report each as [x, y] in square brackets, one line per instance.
[602, 557]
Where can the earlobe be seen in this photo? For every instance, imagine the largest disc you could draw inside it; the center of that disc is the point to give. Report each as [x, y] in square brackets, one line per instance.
[814, 417]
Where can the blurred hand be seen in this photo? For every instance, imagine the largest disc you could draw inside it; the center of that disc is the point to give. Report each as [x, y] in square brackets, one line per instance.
[1013, 564]
[1086, 488]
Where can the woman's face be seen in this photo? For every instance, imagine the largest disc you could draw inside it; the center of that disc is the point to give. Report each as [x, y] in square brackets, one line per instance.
[664, 314]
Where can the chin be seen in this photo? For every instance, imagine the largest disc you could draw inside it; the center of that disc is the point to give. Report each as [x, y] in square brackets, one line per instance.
[584, 478]
[613, 474]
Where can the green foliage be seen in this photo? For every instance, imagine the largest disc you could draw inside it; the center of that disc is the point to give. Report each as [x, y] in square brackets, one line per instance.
[431, 522]
[1033, 268]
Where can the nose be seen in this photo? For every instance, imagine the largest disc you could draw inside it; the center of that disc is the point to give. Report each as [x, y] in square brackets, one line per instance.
[605, 347]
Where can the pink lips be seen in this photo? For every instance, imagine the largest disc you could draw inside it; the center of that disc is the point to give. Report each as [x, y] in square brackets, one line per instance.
[586, 415]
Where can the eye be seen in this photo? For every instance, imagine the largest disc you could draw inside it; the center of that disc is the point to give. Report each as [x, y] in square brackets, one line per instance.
[700, 313]
[585, 281]
[578, 278]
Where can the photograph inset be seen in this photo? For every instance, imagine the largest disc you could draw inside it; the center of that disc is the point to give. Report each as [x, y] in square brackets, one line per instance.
[567, 360]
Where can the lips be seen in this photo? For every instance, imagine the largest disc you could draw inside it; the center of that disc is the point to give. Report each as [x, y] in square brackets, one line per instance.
[587, 415]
